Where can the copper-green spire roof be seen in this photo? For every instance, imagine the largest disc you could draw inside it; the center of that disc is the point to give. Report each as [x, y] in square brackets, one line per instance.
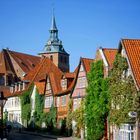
[53, 25]
[54, 44]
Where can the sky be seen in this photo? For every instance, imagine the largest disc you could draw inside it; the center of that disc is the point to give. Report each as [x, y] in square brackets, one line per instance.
[84, 25]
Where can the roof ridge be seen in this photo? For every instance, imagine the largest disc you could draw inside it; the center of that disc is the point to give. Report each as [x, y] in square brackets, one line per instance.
[38, 69]
[87, 58]
[20, 53]
[110, 48]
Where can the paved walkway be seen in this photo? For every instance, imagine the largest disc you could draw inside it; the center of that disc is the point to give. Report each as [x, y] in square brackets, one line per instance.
[50, 136]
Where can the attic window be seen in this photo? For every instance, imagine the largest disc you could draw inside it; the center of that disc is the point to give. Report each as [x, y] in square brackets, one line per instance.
[24, 64]
[64, 84]
[33, 65]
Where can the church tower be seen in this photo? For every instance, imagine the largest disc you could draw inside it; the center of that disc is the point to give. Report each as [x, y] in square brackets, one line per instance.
[54, 49]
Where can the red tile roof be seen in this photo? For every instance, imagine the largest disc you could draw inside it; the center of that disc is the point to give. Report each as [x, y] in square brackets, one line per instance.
[6, 66]
[132, 47]
[110, 55]
[46, 68]
[25, 61]
[87, 63]
[40, 86]
[7, 93]
[71, 86]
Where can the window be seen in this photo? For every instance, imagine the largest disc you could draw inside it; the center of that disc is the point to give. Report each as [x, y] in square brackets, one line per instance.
[76, 103]
[48, 101]
[63, 100]
[64, 83]
[126, 132]
[82, 82]
[61, 58]
[65, 60]
[1, 80]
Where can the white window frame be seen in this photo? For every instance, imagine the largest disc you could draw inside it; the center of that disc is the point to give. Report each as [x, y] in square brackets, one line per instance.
[48, 101]
[63, 100]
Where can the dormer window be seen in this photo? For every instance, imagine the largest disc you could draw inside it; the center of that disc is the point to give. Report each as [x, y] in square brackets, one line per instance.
[64, 84]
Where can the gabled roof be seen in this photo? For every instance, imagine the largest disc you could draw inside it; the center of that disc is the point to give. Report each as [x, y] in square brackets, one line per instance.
[40, 86]
[87, 63]
[25, 61]
[132, 48]
[110, 55]
[71, 86]
[46, 68]
[6, 66]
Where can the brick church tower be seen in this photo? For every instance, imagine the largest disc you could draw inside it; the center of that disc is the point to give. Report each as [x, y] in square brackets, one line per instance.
[54, 49]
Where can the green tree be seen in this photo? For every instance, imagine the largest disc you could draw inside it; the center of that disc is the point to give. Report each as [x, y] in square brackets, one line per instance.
[69, 115]
[51, 117]
[26, 105]
[96, 102]
[39, 106]
[79, 116]
[122, 91]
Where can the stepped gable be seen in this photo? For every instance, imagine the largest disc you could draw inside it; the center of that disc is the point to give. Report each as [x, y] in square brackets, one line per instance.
[110, 55]
[87, 63]
[132, 48]
[44, 69]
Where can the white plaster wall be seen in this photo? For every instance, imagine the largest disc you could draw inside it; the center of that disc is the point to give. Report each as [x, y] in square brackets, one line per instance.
[13, 107]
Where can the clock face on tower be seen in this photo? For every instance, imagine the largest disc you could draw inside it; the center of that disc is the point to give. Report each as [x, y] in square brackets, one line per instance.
[49, 42]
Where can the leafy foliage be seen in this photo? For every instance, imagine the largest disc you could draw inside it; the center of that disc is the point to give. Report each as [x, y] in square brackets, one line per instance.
[79, 115]
[69, 115]
[39, 106]
[122, 91]
[26, 104]
[96, 102]
[51, 117]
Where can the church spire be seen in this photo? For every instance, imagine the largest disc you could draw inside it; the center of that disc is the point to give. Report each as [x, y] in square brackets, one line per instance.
[53, 25]
[54, 48]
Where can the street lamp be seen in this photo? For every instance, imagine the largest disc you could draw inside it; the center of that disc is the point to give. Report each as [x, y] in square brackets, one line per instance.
[2, 103]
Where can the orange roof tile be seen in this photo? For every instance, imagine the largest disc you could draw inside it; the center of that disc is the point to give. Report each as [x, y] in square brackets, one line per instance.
[110, 55]
[6, 65]
[87, 63]
[25, 61]
[132, 47]
[7, 93]
[71, 86]
[40, 86]
[44, 69]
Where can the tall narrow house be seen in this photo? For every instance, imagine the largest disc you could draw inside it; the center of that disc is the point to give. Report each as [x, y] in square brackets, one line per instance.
[54, 49]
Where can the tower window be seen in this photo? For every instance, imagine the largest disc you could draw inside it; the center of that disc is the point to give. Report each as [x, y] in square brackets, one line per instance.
[61, 58]
[65, 60]
[51, 57]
